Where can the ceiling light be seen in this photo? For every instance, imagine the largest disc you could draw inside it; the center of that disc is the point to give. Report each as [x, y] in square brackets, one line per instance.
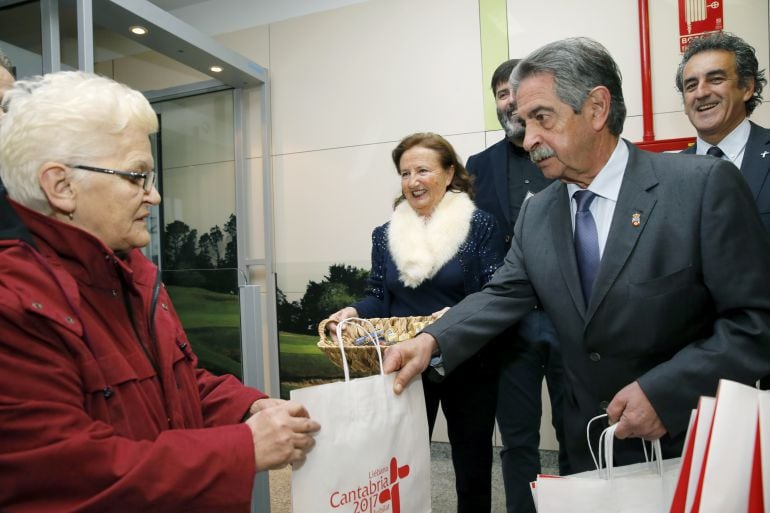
[216, 69]
[138, 30]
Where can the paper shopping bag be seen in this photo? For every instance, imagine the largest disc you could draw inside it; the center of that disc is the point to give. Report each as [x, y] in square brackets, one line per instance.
[725, 476]
[695, 444]
[638, 488]
[372, 454]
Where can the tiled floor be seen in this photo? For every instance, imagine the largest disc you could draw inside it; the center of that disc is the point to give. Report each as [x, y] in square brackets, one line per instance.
[442, 482]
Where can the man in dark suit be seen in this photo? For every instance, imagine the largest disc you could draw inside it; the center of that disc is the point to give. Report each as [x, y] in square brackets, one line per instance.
[721, 85]
[505, 177]
[667, 290]
[10, 224]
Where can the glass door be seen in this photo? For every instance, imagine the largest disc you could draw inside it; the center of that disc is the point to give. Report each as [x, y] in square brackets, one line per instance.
[195, 238]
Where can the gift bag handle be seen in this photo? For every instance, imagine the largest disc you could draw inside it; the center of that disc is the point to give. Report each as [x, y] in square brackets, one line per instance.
[606, 442]
[369, 333]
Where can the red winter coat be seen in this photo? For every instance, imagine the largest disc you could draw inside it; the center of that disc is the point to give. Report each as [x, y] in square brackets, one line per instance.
[89, 420]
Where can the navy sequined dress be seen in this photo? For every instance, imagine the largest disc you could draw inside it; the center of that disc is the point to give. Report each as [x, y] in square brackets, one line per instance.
[473, 265]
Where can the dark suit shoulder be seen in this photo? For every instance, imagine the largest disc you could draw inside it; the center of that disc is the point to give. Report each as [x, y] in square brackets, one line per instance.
[499, 146]
[759, 140]
[683, 172]
[759, 131]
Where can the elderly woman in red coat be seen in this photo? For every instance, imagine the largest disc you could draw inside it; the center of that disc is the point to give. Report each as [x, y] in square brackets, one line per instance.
[102, 404]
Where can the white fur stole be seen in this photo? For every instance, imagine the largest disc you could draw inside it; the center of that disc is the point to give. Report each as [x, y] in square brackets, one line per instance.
[422, 246]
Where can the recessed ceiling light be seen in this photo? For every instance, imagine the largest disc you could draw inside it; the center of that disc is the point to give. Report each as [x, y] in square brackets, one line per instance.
[216, 69]
[138, 30]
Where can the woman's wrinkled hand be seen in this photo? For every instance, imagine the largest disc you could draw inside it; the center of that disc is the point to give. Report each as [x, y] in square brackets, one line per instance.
[337, 317]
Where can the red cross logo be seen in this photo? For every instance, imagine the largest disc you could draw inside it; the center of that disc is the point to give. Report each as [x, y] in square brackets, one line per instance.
[391, 494]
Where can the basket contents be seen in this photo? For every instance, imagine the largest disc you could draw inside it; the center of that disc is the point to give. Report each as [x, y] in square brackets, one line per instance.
[359, 347]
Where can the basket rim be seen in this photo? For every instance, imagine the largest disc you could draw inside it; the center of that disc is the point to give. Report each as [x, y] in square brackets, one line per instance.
[328, 342]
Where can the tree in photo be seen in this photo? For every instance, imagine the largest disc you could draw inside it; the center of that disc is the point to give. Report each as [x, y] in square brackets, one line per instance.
[343, 286]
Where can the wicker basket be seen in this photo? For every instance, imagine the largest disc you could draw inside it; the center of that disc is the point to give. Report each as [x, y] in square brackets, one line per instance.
[360, 352]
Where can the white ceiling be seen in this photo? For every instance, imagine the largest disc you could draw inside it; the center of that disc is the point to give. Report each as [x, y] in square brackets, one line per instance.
[214, 17]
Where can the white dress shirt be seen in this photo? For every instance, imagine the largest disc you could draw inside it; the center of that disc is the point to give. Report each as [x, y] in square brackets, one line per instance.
[733, 145]
[606, 186]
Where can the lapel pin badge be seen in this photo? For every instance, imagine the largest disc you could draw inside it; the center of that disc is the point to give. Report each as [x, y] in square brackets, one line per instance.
[764, 154]
[636, 219]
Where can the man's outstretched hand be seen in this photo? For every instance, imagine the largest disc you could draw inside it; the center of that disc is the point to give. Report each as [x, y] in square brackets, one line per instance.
[410, 358]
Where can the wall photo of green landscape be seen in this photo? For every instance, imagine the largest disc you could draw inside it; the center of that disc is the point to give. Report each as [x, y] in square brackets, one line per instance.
[201, 277]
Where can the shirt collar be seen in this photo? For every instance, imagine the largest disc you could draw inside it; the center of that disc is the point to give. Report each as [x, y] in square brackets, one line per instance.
[607, 182]
[732, 144]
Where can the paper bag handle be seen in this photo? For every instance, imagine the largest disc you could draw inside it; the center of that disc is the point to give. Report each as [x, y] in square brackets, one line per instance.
[369, 334]
[606, 442]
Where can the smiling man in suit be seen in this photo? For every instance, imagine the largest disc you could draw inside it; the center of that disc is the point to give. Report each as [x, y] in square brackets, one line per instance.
[721, 85]
[637, 268]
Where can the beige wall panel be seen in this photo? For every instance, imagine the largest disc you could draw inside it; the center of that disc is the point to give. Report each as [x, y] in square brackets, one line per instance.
[491, 138]
[761, 114]
[253, 43]
[612, 23]
[374, 72]
[665, 57]
[327, 203]
[672, 125]
[633, 129]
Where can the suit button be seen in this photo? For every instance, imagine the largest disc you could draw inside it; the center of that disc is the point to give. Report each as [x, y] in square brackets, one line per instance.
[507, 239]
[526, 181]
[603, 405]
[595, 357]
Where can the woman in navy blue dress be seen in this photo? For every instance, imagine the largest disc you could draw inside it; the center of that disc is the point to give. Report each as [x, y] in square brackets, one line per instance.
[436, 249]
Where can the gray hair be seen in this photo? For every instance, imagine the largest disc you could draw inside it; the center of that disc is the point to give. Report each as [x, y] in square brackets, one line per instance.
[578, 65]
[746, 64]
[66, 117]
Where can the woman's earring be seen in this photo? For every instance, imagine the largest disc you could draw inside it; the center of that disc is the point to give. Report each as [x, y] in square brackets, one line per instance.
[71, 215]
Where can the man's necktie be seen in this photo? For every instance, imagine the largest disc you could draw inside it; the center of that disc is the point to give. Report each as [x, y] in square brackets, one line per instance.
[714, 151]
[586, 242]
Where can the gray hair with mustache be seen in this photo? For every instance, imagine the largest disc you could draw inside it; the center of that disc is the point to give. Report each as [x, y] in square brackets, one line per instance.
[578, 65]
[540, 152]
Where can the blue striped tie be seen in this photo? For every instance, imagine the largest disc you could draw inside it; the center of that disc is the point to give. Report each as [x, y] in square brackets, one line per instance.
[586, 242]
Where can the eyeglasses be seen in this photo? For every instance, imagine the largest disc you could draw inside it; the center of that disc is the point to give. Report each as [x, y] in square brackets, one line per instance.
[145, 180]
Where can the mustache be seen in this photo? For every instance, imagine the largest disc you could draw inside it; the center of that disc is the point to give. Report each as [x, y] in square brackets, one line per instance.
[540, 153]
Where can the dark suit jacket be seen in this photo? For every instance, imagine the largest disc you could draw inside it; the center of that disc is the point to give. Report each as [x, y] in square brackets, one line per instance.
[11, 226]
[490, 169]
[756, 169]
[681, 300]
